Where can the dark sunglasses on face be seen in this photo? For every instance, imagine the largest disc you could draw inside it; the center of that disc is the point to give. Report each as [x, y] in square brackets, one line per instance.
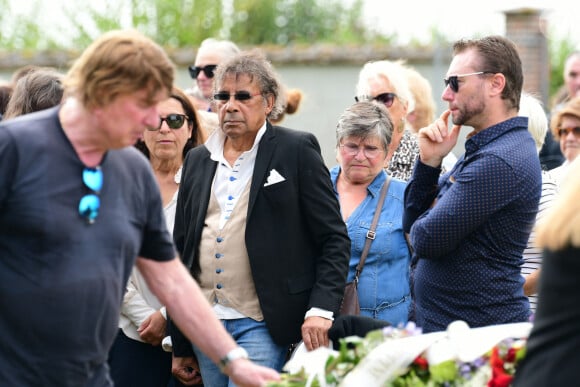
[174, 121]
[563, 132]
[453, 82]
[239, 96]
[208, 70]
[386, 99]
[90, 204]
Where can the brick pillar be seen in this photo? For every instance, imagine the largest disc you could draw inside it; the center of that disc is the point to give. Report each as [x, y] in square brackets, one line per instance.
[527, 29]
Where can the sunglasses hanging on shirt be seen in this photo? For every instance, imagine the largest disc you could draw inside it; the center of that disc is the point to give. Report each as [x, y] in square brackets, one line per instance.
[90, 204]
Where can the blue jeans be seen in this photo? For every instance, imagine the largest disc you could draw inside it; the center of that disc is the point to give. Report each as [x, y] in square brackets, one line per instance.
[254, 337]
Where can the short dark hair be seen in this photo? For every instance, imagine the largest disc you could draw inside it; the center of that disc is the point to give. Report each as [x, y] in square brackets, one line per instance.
[498, 55]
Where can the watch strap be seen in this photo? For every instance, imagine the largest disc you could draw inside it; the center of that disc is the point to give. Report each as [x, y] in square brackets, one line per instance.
[234, 354]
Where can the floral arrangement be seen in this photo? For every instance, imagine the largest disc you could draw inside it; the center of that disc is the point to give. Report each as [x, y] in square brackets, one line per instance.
[495, 368]
[404, 357]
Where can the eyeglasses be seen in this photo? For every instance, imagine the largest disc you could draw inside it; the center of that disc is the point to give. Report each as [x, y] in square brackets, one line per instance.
[239, 96]
[90, 203]
[453, 82]
[208, 70]
[386, 99]
[563, 132]
[174, 121]
[351, 149]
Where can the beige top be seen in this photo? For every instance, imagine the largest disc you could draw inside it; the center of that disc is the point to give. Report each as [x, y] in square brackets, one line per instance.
[226, 277]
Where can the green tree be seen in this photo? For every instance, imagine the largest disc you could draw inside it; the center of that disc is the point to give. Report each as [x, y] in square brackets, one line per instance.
[254, 21]
[298, 21]
[172, 23]
[183, 23]
[88, 22]
[19, 31]
[180, 23]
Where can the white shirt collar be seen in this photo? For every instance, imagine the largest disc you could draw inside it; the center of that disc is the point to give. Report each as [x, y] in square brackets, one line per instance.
[215, 143]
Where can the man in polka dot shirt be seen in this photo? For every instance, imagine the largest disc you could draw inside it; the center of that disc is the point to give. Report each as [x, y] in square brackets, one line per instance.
[469, 227]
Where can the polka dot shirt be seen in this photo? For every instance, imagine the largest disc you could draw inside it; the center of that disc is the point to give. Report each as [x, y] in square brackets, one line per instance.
[468, 247]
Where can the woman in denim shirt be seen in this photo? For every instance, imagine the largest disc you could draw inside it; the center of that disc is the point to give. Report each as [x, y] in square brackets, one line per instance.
[363, 135]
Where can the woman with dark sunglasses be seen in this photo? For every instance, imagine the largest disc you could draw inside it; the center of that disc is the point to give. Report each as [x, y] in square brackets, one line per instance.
[137, 356]
[385, 82]
[211, 53]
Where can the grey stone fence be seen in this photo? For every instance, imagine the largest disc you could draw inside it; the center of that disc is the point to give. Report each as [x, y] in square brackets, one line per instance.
[320, 54]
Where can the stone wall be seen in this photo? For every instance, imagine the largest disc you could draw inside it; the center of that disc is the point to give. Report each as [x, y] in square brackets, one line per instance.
[320, 54]
[527, 28]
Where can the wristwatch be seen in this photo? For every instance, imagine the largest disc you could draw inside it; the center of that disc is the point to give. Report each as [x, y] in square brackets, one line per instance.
[234, 354]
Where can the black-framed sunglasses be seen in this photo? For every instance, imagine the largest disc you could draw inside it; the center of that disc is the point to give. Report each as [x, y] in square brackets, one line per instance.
[239, 96]
[386, 99]
[90, 204]
[453, 81]
[563, 132]
[208, 70]
[174, 121]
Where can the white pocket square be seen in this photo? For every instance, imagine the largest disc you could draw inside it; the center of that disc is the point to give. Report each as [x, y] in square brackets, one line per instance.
[274, 178]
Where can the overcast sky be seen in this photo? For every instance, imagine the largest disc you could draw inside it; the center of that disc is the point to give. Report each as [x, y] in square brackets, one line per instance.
[414, 19]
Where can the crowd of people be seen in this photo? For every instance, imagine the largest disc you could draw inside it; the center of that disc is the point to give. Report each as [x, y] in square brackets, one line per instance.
[170, 236]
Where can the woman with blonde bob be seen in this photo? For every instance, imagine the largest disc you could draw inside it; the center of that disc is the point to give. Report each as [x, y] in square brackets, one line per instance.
[385, 82]
[552, 350]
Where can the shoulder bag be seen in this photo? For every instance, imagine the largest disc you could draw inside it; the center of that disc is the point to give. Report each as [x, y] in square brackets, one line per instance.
[350, 304]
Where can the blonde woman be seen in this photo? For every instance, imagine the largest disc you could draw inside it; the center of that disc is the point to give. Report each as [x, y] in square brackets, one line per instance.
[565, 125]
[552, 350]
[385, 82]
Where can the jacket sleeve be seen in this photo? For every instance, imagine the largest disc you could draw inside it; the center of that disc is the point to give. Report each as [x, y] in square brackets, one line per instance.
[326, 226]
[134, 307]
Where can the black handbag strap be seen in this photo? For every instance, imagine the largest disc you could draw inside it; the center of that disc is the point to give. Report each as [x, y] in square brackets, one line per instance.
[371, 233]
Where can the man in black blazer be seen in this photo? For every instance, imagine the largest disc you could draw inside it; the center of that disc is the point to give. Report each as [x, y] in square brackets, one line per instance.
[293, 249]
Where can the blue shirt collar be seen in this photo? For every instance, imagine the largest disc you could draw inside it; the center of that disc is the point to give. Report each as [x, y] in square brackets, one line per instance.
[479, 140]
[374, 188]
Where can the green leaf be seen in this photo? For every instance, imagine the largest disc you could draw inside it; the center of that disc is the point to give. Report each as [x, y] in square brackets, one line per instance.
[444, 372]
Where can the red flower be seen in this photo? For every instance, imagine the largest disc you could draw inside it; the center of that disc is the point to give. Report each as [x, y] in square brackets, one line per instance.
[511, 355]
[504, 380]
[499, 378]
[421, 362]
